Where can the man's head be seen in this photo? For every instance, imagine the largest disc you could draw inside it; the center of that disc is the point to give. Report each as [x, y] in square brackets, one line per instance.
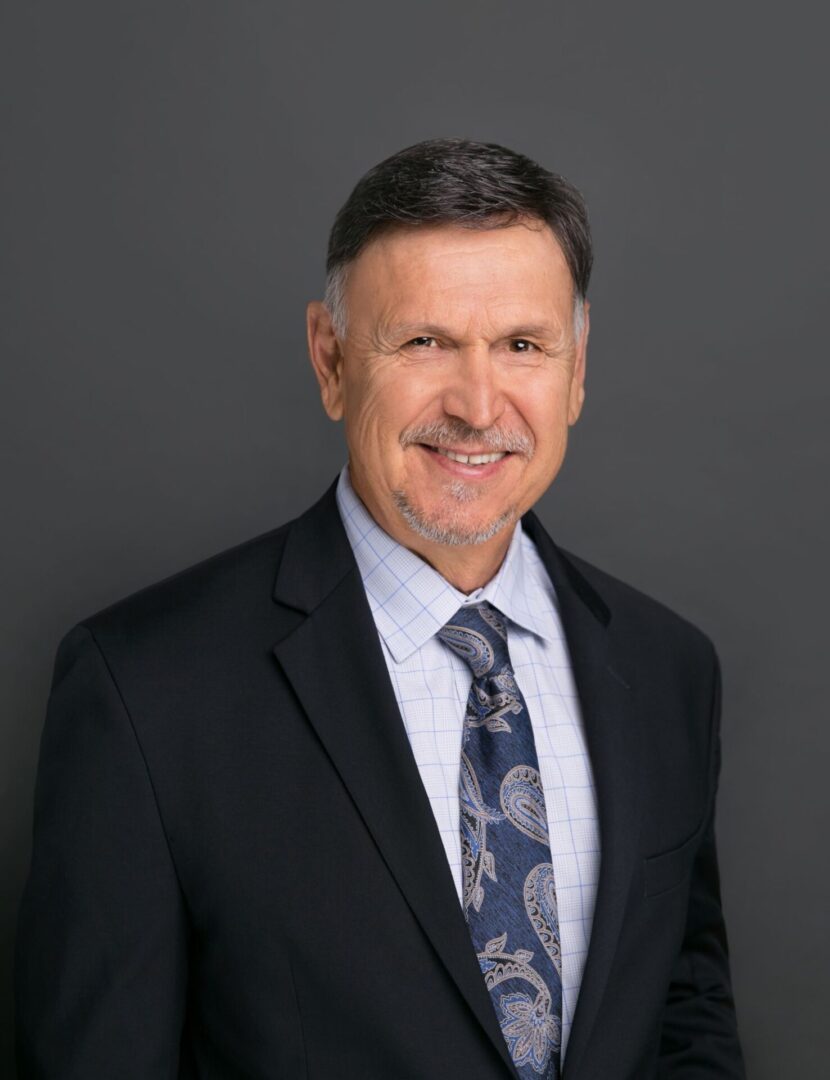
[454, 324]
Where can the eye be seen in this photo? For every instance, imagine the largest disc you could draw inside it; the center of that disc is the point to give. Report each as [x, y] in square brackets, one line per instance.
[522, 345]
[422, 342]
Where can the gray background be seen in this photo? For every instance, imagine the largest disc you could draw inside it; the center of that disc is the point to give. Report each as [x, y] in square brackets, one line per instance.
[171, 172]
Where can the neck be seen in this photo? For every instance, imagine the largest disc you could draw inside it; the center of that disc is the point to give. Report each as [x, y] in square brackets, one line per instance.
[466, 567]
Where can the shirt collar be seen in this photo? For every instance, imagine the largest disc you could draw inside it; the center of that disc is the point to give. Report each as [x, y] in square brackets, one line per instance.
[411, 601]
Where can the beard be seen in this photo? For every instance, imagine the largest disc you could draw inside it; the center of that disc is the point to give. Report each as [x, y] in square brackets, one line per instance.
[450, 525]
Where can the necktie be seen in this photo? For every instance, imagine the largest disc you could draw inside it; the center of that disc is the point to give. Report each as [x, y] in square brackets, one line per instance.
[509, 895]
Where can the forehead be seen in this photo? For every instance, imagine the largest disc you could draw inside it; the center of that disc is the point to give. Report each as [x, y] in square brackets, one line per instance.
[409, 269]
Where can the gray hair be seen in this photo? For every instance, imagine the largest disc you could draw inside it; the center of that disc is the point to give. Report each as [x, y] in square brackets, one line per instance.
[457, 181]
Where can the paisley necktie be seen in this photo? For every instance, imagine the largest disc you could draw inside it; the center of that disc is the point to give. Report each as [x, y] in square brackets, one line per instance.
[508, 888]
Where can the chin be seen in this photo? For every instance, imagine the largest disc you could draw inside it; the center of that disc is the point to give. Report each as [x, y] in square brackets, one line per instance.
[452, 525]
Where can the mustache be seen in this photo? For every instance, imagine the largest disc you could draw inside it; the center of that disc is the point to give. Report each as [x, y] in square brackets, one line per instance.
[456, 432]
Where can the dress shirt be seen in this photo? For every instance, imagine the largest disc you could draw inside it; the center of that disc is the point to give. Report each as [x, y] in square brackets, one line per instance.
[410, 602]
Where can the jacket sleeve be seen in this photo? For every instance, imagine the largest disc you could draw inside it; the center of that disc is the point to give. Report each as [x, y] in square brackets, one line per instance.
[100, 959]
[699, 1036]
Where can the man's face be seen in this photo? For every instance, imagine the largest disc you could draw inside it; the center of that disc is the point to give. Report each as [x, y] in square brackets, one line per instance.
[459, 344]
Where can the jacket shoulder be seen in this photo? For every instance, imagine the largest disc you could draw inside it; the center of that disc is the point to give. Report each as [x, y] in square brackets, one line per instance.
[195, 598]
[637, 613]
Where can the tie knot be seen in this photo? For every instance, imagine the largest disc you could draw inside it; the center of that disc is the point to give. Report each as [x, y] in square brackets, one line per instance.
[478, 634]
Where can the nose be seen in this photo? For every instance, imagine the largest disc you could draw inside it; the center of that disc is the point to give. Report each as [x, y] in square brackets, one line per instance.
[473, 393]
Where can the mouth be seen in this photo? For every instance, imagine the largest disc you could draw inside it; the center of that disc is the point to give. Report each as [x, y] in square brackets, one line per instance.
[466, 463]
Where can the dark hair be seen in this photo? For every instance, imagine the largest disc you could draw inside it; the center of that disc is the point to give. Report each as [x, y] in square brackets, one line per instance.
[480, 185]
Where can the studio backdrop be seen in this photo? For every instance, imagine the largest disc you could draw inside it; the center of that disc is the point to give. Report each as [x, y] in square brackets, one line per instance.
[171, 171]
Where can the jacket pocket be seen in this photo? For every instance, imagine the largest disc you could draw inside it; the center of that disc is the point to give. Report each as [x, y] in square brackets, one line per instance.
[668, 869]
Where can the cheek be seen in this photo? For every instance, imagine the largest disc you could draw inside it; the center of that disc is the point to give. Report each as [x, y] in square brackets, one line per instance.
[372, 430]
[379, 408]
[544, 408]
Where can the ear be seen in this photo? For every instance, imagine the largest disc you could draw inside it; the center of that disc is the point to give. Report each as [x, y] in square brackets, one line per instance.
[326, 358]
[577, 391]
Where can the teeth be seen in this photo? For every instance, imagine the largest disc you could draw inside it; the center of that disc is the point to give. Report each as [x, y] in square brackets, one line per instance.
[470, 459]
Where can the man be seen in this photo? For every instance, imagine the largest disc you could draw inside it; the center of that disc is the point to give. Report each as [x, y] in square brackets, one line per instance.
[400, 789]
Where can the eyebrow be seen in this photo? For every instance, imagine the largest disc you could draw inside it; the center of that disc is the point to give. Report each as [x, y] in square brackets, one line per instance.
[527, 330]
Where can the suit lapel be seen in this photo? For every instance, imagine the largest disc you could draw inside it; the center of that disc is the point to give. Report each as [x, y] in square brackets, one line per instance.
[613, 736]
[334, 661]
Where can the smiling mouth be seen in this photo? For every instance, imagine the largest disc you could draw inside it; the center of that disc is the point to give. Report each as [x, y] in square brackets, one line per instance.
[467, 459]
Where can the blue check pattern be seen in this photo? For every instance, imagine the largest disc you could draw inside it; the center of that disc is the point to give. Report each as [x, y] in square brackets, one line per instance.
[509, 891]
[410, 602]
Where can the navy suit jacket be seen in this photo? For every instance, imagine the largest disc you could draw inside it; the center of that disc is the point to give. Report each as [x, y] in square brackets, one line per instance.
[236, 871]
